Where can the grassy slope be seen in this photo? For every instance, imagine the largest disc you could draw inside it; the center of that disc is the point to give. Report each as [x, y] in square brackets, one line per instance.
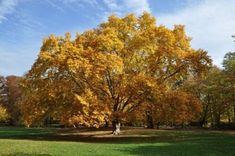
[41, 142]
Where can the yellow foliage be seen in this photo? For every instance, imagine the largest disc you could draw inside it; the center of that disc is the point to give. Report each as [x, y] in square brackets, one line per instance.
[113, 69]
[3, 114]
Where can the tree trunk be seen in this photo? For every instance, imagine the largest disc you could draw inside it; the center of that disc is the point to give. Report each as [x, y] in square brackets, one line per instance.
[149, 121]
[106, 125]
[116, 127]
[158, 125]
[234, 106]
[204, 117]
[203, 120]
[234, 114]
[217, 120]
[229, 116]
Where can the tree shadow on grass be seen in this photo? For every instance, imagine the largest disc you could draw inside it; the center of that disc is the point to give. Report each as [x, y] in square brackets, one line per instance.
[209, 144]
[89, 138]
[94, 135]
[75, 135]
[183, 148]
[25, 154]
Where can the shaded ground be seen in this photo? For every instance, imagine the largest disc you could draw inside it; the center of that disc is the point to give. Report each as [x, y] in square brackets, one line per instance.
[135, 141]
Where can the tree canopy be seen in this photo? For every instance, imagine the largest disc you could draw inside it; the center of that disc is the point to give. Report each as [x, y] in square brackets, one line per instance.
[108, 72]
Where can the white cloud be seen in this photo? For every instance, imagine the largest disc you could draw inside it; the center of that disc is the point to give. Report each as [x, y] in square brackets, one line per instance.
[210, 23]
[121, 7]
[111, 4]
[56, 6]
[72, 4]
[91, 2]
[6, 7]
[137, 6]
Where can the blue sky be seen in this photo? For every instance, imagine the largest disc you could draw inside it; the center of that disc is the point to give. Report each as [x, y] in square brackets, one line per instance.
[24, 23]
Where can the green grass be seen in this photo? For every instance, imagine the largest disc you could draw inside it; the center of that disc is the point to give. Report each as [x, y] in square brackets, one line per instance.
[50, 142]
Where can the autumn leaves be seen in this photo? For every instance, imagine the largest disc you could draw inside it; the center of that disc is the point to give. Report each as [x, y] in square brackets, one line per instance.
[123, 66]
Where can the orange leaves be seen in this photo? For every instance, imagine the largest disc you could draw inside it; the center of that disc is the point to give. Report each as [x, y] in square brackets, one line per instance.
[146, 21]
[183, 107]
[107, 40]
[109, 71]
[181, 40]
[174, 107]
[91, 114]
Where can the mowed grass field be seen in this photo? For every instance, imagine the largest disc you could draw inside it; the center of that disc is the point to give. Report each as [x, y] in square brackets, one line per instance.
[135, 141]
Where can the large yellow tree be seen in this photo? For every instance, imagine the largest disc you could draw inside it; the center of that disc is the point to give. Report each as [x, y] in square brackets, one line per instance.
[107, 72]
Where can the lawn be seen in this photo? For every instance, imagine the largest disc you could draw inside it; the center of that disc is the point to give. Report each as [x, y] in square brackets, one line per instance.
[135, 141]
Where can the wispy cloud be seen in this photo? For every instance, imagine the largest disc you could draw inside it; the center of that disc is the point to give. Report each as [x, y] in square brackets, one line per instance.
[91, 2]
[137, 6]
[6, 7]
[55, 5]
[122, 7]
[209, 22]
[72, 4]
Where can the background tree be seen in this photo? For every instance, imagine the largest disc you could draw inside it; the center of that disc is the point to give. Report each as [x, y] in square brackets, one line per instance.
[3, 90]
[229, 69]
[10, 93]
[13, 96]
[229, 63]
[216, 94]
[3, 114]
[3, 99]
